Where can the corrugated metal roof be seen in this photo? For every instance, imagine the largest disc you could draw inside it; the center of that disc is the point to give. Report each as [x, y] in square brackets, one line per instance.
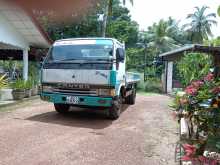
[171, 55]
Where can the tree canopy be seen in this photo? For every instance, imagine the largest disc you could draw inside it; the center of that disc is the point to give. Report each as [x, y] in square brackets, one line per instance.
[200, 24]
[162, 36]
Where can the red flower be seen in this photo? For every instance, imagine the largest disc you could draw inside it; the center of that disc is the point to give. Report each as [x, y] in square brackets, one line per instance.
[190, 152]
[207, 161]
[191, 90]
[189, 149]
[209, 77]
[197, 84]
[186, 158]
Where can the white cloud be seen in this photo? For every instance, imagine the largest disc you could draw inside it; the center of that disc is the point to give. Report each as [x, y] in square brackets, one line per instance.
[146, 12]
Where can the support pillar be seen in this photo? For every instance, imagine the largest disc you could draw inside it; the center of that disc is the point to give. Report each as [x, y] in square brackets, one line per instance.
[169, 77]
[25, 64]
[217, 65]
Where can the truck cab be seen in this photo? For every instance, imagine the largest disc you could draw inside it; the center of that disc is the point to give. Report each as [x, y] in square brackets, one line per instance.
[88, 72]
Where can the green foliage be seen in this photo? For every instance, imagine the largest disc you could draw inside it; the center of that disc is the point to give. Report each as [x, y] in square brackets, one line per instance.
[18, 84]
[21, 84]
[164, 36]
[119, 26]
[199, 28]
[201, 104]
[10, 64]
[34, 72]
[111, 2]
[141, 84]
[124, 31]
[153, 85]
[213, 142]
[193, 66]
[159, 38]
[29, 83]
[3, 81]
[135, 58]
[213, 42]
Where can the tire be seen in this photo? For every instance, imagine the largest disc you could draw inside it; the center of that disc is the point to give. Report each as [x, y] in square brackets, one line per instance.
[131, 98]
[62, 108]
[115, 110]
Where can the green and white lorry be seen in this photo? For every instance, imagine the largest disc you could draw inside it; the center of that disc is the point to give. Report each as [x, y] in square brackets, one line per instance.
[88, 72]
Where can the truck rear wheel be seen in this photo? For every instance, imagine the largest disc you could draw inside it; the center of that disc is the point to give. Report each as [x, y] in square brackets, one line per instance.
[131, 98]
[115, 110]
[62, 108]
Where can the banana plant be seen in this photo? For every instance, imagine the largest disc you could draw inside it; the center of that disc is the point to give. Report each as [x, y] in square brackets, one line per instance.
[3, 81]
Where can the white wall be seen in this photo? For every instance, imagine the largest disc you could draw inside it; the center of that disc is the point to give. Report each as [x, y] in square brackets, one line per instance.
[9, 35]
[170, 77]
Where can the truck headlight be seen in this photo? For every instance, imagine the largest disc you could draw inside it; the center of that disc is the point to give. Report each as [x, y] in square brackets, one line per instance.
[106, 92]
[47, 89]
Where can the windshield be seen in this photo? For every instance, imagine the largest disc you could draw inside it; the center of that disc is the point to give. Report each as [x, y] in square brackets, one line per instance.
[65, 52]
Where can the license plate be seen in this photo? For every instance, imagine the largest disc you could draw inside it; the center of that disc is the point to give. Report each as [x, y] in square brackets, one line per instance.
[72, 100]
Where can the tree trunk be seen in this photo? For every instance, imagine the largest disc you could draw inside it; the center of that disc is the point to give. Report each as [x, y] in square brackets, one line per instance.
[104, 24]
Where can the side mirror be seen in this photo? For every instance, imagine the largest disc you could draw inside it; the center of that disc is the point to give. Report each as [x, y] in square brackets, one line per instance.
[120, 55]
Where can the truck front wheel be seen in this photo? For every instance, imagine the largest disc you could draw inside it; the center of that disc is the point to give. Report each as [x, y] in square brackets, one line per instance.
[115, 110]
[62, 108]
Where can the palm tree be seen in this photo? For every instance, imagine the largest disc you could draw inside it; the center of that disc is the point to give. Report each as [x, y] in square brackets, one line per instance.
[200, 26]
[107, 12]
[161, 36]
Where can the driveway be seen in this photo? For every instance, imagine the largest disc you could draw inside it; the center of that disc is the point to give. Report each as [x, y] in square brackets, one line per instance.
[34, 134]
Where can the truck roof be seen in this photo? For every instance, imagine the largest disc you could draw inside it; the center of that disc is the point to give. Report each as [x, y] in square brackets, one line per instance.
[90, 38]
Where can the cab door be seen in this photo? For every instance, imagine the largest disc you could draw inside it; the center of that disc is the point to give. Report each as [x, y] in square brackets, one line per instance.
[120, 67]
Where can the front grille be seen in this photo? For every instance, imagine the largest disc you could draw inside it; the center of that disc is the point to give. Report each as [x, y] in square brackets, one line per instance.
[70, 86]
[80, 92]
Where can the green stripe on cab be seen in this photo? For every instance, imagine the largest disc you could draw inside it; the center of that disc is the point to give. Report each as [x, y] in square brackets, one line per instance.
[113, 78]
[83, 100]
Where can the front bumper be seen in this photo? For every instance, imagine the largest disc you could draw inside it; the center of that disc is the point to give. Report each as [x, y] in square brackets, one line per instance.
[83, 100]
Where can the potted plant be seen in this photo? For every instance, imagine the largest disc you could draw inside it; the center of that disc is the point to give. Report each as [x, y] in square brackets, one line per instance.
[18, 91]
[34, 87]
[28, 87]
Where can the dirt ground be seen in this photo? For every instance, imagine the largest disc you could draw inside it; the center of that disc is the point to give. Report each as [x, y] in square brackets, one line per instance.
[34, 134]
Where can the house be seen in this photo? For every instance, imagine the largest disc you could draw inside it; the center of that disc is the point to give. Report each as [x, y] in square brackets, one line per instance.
[175, 55]
[19, 32]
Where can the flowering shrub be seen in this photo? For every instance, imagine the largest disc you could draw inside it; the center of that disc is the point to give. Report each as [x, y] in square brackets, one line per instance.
[202, 102]
[204, 89]
[190, 156]
[209, 77]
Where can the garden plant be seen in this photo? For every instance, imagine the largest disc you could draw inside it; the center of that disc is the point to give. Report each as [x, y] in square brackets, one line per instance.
[199, 107]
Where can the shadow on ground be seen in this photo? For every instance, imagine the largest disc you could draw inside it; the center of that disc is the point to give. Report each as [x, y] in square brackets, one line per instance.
[77, 117]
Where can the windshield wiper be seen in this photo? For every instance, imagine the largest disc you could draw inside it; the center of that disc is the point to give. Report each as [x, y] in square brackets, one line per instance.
[100, 59]
[71, 59]
[65, 60]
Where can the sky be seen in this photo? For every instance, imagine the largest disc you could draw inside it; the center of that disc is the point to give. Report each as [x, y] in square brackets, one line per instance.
[146, 12]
